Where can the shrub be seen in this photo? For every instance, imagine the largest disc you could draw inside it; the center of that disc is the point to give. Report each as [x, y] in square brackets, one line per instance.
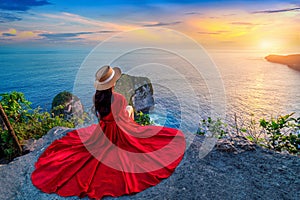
[280, 134]
[249, 129]
[210, 127]
[283, 133]
[143, 119]
[26, 122]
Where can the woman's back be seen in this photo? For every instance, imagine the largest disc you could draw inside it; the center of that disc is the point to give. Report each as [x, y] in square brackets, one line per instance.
[114, 157]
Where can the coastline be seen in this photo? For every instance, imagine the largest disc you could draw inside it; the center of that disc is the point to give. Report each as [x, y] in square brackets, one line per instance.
[292, 60]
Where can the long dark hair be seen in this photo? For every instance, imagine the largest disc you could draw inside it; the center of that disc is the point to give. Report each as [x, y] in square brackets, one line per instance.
[102, 102]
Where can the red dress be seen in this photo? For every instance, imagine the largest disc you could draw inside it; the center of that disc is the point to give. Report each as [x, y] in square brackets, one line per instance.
[112, 158]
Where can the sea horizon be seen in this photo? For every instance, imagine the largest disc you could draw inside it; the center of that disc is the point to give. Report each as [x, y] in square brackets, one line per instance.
[43, 73]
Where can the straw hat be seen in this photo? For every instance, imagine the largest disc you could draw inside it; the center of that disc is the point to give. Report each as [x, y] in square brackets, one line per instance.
[106, 77]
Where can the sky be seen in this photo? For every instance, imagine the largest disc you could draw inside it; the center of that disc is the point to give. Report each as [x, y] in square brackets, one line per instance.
[261, 25]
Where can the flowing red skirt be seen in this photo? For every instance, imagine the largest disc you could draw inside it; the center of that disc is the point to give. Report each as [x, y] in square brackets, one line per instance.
[112, 158]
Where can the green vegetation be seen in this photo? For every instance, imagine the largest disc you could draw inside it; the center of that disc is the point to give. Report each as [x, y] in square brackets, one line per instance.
[34, 123]
[281, 134]
[26, 122]
[143, 119]
[210, 127]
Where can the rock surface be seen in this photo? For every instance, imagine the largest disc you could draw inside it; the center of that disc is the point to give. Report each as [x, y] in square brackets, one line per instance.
[138, 92]
[234, 169]
[72, 105]
[293, 61]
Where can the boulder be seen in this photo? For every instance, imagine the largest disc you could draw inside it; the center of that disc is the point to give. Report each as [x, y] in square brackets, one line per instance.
[138, 92]
[71, 105]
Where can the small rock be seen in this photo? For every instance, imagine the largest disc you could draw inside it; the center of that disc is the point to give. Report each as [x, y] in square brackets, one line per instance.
[29, 145]
[235, 145]
[72, 105]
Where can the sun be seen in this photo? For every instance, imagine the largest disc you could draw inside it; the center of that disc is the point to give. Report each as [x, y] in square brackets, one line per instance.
[266, 45]
[270, 46]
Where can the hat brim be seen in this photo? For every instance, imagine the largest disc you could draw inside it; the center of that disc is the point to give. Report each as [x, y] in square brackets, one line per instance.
[111, 83]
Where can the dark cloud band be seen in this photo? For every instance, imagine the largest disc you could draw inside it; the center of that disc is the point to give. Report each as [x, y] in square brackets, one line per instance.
[58, 36]
[21, 5]
[7, 17]
[162, 24]
[277, 11]
[8, 35]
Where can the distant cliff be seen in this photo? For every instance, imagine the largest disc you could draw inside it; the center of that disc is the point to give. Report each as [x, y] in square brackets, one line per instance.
[293, 61]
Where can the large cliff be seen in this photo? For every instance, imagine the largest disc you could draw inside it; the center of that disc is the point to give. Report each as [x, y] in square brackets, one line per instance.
[293, 61]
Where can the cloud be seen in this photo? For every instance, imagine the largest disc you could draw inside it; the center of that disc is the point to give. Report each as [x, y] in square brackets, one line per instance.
[208, 33]
[58, 27]
[21, 5]
[162, 24]
[8, 34]
[69, 18]
[212, 33]
[193, 13]
[277, 11]
[7, 17]
[62, 36]
[106, 32]
[243, 23]
[19, 35]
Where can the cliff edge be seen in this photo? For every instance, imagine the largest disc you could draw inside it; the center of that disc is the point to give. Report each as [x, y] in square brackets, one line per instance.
[234, 169]
[292, 61]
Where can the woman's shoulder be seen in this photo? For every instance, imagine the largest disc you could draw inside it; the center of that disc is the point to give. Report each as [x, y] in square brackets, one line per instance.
[119, 101]
[118, 95]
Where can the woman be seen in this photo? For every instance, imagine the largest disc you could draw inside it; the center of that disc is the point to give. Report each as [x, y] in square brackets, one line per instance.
[112, 158]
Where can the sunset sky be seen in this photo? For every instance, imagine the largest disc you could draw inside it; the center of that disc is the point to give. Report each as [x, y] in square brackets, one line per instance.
[255, 24]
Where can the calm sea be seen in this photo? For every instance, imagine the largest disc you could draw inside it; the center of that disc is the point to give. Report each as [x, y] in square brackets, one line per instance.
[251, 85]
[39, 73]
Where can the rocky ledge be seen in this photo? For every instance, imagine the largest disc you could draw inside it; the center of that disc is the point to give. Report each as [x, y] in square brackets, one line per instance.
[293, 61]
[234, 169]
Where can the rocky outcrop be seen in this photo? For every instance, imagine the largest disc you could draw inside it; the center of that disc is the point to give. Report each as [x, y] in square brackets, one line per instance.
[234, 169]
[293, 61]
[71, 105]
[138, 92]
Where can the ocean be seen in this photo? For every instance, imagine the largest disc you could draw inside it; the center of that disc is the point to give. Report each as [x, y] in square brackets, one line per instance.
[243, 83]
